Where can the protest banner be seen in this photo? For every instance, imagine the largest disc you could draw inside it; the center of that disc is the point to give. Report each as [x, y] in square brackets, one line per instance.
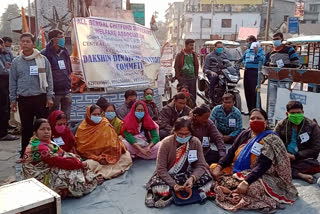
[116, 54]
[166, 62]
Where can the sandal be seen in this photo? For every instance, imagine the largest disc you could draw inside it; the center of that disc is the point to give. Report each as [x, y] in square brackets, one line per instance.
[149, 201]
[164, 201]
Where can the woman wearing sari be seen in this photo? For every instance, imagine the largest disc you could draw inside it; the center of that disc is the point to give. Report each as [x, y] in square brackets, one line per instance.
[140, 132]
[180, 166]
[61, 171]
[110, 113]
[255, 174]
[99, 143]
[61, 134]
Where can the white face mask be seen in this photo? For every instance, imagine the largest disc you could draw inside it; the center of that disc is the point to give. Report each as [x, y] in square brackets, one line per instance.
[7, 49]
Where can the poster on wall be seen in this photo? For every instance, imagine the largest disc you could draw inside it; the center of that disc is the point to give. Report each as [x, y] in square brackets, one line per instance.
[116, 54]
[309, 100]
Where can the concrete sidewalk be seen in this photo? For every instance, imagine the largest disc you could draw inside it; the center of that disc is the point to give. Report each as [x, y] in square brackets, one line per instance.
[8, 158]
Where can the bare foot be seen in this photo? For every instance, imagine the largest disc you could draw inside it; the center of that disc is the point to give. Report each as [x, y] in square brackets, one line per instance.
[100, 179]
[307, 178]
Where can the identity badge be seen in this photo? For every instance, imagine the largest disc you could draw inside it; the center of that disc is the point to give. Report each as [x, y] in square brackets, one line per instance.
[232, 122]
[62, 66]
[304, 137]
[192, 156]
[58, 141]
[34, 70]
[205, 142]
[252, 58]
[280, 63]
[256, 148]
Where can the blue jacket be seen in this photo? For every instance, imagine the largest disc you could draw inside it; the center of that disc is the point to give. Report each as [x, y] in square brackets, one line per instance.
[248, 56]
[61, 77]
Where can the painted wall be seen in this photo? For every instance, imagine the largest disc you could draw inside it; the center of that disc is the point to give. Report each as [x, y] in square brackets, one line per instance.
[238, 20]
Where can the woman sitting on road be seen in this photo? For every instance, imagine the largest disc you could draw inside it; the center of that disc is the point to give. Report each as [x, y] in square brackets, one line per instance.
[61, 171]
[261, 177]
[110, 113]
[180, 166]
[205, 130]
[61, 134]
[140, 132]
[98, 142]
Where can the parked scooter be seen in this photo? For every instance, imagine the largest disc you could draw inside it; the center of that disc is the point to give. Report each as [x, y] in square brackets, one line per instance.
[227, 80]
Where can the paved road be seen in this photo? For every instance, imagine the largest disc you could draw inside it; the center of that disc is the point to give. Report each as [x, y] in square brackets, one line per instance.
[308, 202]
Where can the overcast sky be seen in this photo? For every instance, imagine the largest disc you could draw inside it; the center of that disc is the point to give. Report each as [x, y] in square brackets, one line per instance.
[151, 6]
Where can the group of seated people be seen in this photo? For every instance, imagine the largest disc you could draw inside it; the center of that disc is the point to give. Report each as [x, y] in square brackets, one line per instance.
[255, 173]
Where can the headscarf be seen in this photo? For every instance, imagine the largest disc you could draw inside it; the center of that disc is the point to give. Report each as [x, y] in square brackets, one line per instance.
[98, 141]
[130, 123]
[67, 136]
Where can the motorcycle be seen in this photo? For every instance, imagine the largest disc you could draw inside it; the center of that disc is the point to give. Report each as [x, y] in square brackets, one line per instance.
[227, 80]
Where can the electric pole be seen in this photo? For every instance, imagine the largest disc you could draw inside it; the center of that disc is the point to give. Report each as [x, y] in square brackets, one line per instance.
[268, 21]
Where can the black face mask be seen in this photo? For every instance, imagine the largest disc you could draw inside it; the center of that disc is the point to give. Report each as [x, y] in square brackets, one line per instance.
[130, 104]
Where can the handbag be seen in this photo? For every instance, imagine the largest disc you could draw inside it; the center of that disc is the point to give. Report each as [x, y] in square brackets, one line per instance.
[192, 196]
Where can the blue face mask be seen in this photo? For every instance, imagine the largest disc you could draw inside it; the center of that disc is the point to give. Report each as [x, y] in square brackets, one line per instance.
[219, 50]
[183, 140]
[139, 115]
[61, 42]
[276, 43]
[110, 115]
[96, 119]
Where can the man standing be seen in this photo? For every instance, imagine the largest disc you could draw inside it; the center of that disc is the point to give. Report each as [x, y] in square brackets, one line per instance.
[4, 96]
[130, 98]
[7, 48]
[251, 58]
[171, 112]
[30, 86]
[186, 67]
[214, 63]
[301, 137]
[152, 107]
[281, 56]
[59, 59]
[227, 118]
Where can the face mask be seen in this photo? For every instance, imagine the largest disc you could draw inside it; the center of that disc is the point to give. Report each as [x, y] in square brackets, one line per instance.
[139, 115]
[7, 49]
[257, 126]
[149, 97]
[61, 42]
[130, 104]
[110, 115]
[276, 43]
[296, 118]
[60, 129]
[183, 140]
[187, 94]
[248, 44]
[219, 50]
[96, 119]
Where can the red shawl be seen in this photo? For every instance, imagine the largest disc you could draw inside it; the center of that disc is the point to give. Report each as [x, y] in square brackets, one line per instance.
[67, 135]
[130, 123]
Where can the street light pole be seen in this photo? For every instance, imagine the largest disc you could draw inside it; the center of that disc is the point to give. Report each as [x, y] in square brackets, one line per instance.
[29, 15]
[266, 37]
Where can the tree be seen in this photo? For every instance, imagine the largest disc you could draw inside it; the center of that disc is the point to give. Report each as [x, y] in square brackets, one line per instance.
[11, 12]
